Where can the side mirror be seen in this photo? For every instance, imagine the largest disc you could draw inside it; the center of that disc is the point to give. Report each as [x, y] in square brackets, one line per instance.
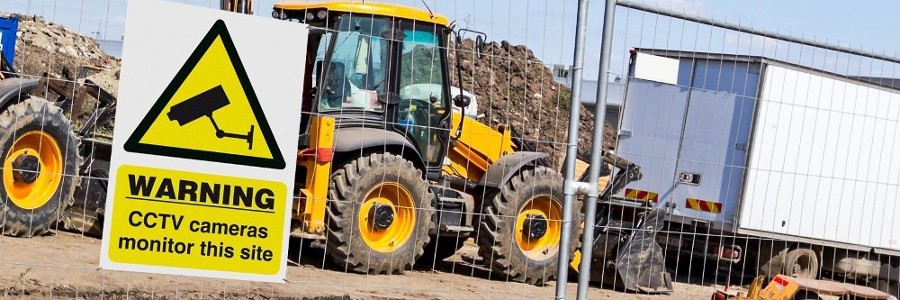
[480, 38]
[462, 101]
[479, 46]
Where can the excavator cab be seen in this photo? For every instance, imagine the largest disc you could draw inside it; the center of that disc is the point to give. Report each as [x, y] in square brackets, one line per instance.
[379, 66]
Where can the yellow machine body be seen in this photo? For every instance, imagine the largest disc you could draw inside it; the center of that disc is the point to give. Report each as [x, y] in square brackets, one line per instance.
[378, 9]
[477, 148]
[310, 207]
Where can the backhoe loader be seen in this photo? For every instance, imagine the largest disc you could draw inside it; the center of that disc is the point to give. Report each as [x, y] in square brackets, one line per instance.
[389, 175]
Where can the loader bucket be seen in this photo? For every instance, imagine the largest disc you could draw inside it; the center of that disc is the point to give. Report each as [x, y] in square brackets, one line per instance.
[86, 213]
[633, 261]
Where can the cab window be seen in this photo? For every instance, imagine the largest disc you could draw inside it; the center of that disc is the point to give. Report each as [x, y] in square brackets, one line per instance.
[355, 75]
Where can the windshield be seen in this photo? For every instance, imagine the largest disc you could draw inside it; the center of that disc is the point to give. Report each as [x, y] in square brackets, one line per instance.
[356, 74]
[422, 88]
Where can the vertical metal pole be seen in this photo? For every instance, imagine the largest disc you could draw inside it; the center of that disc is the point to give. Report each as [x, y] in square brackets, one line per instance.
[584, 270]
[562, 272]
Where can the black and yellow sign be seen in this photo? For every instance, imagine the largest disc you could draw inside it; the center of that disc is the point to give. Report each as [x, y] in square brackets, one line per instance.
[209, 111]
[200, 221]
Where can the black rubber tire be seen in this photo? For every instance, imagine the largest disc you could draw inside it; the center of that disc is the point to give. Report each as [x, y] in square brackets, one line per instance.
[85, 215]
[441, 248]
[496, 240]
[805, 259]
[29, 115]
[349, 184]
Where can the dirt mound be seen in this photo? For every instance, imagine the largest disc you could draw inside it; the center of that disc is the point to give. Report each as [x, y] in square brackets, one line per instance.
[514, 87]
[43, 47]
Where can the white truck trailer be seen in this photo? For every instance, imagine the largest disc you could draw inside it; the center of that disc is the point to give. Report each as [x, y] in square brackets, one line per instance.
[763, 164]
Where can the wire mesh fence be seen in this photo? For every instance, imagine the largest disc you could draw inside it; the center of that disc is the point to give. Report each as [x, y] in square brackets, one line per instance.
[729, 151]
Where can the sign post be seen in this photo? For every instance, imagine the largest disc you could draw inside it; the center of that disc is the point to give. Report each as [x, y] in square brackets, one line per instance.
[204, 147]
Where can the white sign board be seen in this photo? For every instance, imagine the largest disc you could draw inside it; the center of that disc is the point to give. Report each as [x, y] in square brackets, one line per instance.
[656, 68]
[205, 143]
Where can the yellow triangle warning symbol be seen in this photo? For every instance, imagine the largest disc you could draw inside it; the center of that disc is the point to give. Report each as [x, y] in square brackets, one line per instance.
[209, 111]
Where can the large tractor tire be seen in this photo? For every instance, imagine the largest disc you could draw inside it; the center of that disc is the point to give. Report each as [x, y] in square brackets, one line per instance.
[521, 226]
[40, 167]
[379, 215]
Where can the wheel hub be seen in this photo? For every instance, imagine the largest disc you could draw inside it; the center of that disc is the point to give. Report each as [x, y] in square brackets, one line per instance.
[26, 168]
[535, 226]
[381, 216]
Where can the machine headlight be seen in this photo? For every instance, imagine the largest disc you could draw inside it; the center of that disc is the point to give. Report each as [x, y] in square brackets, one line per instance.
[310, 16]
[322, 14]
[279, 14]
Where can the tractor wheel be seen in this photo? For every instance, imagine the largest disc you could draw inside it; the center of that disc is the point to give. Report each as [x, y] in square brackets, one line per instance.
[40, 167]
[521, 226]
[379, 215]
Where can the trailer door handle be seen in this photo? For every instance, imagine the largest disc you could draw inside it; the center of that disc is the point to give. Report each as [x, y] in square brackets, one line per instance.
[689, 178]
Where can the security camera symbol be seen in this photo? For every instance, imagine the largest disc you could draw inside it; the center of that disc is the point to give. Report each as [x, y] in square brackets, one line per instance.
[203, 105]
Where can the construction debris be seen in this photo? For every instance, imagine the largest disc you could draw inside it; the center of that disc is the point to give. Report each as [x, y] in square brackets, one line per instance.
[45, 48]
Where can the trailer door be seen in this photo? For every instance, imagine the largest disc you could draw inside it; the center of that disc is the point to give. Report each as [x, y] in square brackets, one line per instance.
[712, 159]
[650, 128]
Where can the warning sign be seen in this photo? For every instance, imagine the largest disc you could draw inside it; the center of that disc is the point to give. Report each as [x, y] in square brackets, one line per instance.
[193, 220]
[212, 85]
[201, 177]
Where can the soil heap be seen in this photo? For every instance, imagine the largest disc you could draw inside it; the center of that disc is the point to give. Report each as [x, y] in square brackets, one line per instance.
[514, 87]
[43, 47]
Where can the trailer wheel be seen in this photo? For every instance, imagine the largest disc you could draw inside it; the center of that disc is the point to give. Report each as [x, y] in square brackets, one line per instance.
[520, 228]
[40, 164]
[801, 263]
[379, 214]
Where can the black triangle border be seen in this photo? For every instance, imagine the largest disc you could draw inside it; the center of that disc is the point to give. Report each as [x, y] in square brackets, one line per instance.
[133, 143]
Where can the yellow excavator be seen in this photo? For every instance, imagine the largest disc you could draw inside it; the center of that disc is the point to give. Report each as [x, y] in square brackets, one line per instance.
[389, 174]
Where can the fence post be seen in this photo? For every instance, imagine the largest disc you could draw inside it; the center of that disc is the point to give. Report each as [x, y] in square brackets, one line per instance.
[562, 272]
[584, 270]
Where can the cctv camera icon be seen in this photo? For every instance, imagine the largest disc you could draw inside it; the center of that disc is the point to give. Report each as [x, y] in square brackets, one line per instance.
[203, 105]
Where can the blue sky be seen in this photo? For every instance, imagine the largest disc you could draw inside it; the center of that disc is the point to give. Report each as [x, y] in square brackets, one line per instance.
[547, 26]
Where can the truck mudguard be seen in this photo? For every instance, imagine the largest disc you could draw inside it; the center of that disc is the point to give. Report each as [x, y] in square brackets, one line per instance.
[14, 88]
[501, 171]
[359, 138]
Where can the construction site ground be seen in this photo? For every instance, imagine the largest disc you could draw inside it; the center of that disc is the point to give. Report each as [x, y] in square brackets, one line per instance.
[65, 265]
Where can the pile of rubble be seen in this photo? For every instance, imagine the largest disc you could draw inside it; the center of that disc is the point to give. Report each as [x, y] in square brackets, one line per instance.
[514, 87]
[46, 48]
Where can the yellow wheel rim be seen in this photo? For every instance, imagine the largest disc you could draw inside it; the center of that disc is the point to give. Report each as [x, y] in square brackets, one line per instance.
[545, 210]
[399, 201]
[34, 194]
